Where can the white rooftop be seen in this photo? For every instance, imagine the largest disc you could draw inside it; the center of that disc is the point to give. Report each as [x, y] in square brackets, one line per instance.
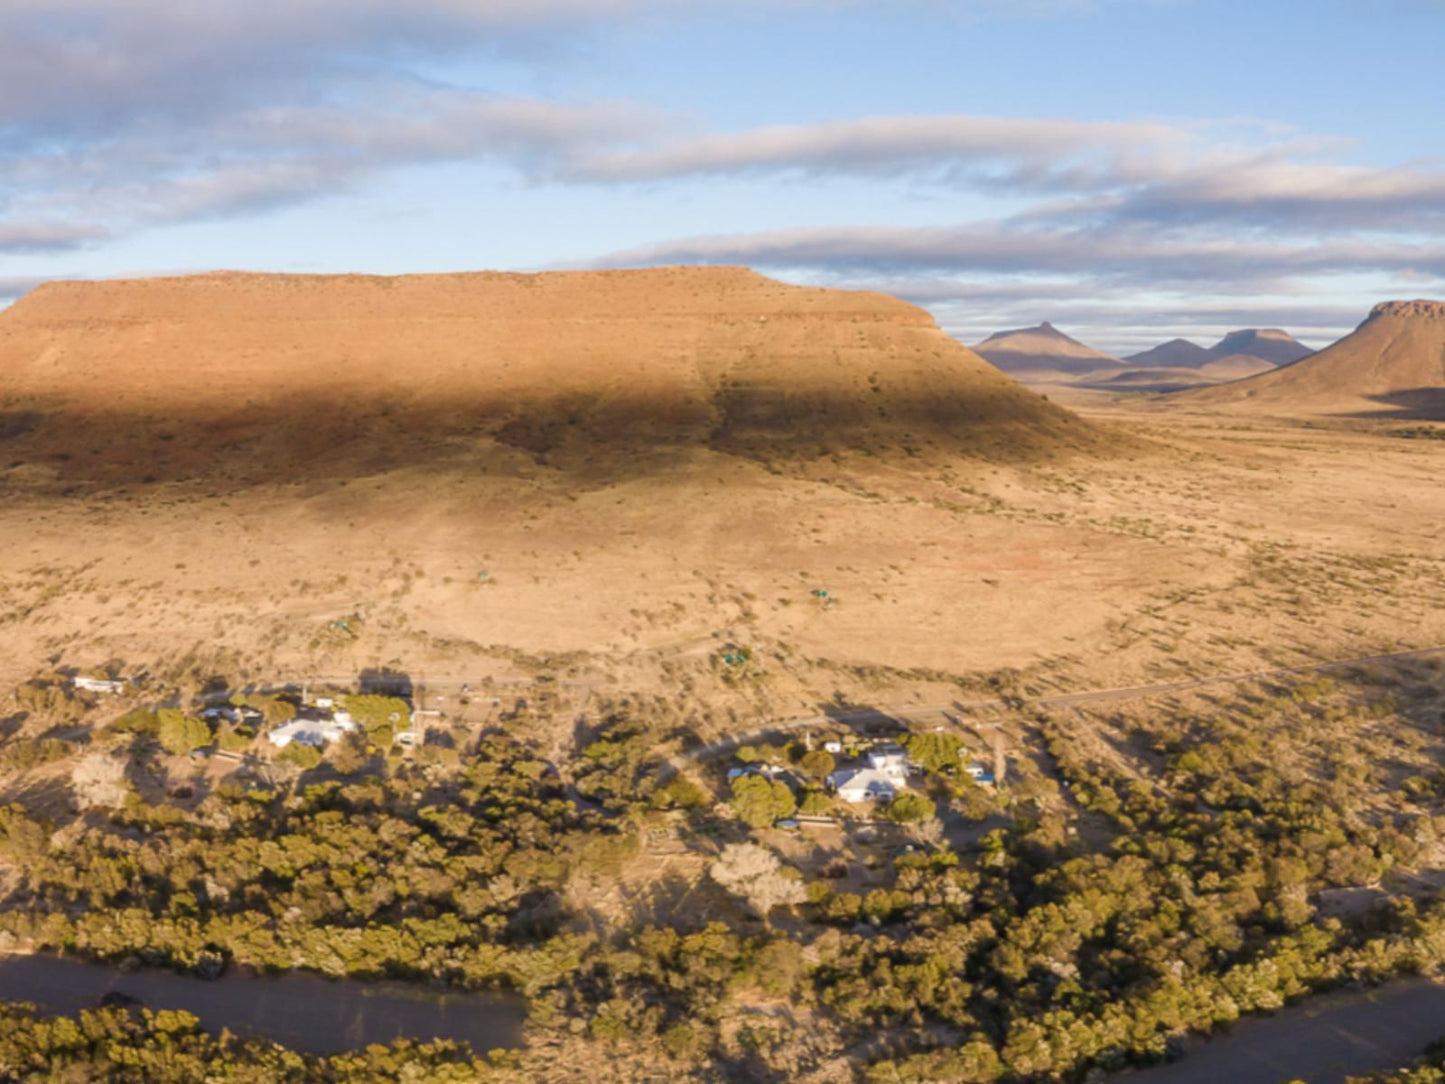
[315, 732]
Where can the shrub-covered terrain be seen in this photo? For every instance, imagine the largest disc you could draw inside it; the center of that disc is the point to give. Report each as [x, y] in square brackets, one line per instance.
[1139, 877]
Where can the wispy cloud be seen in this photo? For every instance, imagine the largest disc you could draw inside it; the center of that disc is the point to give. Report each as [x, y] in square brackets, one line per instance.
[13, 286]
[947, 149]
[1108, 172]
[121, 115]
[47, 236]
[1138, 257]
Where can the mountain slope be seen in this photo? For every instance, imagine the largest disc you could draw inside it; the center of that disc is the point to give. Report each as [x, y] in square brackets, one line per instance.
[276, 371]
[1268, 344]
[1235, 367]
[1042, 350]
[1175, 354]
[1264, 344]
[1393, 364]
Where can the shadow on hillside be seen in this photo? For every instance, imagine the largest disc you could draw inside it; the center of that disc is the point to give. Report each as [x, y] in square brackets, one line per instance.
[1414, 404]
[330, 443]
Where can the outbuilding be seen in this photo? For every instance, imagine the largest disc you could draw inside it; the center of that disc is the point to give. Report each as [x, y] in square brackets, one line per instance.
[855, 785]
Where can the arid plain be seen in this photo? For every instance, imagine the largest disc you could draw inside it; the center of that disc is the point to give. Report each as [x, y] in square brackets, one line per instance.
[608, 478]
[650, 549]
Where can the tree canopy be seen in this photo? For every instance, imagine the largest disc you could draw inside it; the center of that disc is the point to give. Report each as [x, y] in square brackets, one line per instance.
[759, 801]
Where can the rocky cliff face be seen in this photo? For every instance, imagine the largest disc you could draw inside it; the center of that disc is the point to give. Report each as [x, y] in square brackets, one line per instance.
[1409, 310]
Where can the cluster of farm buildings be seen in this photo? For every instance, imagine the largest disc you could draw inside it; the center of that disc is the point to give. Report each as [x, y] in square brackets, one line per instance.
[319, 720]
[878, 775]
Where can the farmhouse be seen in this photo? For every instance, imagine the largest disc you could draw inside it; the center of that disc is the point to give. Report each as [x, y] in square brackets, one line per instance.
[884, 773]
[865, 785]
[316, 732]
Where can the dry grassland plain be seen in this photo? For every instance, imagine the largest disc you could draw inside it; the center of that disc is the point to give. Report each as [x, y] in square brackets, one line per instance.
[274, 478]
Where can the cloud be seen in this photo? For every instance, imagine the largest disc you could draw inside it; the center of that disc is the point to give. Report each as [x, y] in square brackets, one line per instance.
[121, 115]
[1121, 289]
[1146, 172]
[41, 236]
[275, 155]
[14, 286]
[938, 147]
[118, 115]
[74, 64]
[1140, 257]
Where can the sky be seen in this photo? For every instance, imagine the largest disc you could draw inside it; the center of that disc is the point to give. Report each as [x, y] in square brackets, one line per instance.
[1130, 170]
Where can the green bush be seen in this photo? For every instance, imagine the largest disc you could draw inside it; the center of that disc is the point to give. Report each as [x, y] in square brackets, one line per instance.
[934, 751]
[818, 763]
[300, 755]
[909, 808]
[679, 792]
[379, 716]
[759, 801]
[816, 803]
[180, 733]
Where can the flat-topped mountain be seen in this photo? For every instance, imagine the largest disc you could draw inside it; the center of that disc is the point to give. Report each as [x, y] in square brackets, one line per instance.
[1271, 345]
[1393, 364]
[1268, 344]
[307, 365]
[1042, 350]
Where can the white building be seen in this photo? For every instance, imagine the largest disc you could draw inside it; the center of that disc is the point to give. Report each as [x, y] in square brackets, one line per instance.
[980, 772]
[864, 785]
[314, 732]
[98, 685]
[889, 758]
[884, 776]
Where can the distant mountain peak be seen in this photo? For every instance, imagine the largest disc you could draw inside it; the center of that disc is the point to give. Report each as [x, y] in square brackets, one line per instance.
[1393, 364]
[1272, 344]
[1176, 353]
[1042, 348]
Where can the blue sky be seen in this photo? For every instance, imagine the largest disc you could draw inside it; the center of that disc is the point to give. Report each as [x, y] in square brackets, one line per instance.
[1129, 169]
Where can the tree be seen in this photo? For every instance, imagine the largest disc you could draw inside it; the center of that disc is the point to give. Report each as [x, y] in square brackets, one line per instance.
[379, 716]
[754, 873]
[759, 801]
[679, 792]
[300, 755]
[347, 753]
[818, 763]
[815, 803]
[180, 733]
[935, 751]
[274, 709]
[909, 807]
